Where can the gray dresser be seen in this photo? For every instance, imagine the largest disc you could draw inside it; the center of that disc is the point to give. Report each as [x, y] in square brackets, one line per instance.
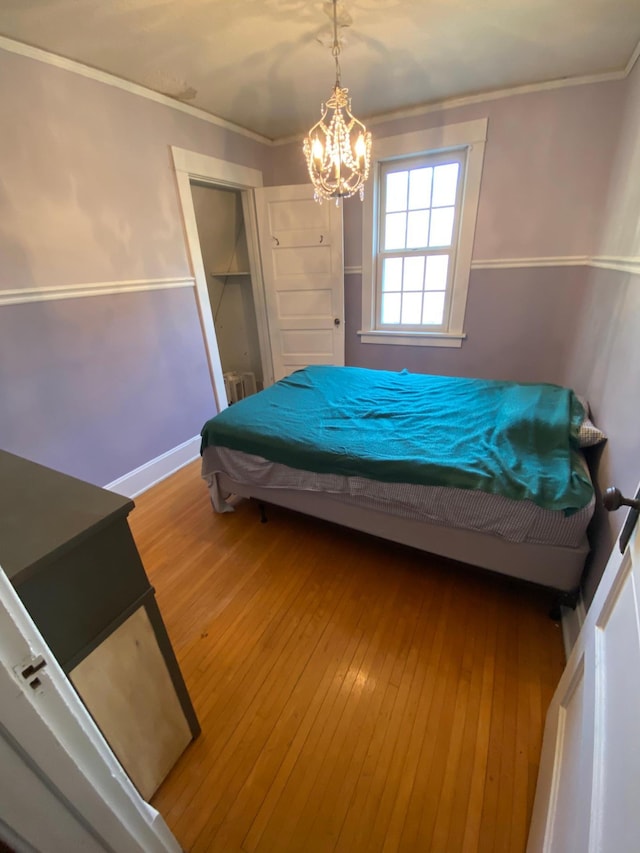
[67, 548]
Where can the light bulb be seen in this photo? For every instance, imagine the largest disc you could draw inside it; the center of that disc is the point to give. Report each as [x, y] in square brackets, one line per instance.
[317, 150]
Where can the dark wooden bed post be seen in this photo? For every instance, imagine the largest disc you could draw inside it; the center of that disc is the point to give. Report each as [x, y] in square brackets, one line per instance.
[263, 512]
[564, 599]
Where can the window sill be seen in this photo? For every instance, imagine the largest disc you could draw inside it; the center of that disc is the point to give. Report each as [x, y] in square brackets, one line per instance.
[412, 339]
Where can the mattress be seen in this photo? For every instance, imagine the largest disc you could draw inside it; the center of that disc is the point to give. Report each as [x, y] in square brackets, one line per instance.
[519, 521]
[516, 440]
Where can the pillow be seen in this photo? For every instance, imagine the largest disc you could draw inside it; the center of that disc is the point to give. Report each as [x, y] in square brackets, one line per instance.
[588, 434]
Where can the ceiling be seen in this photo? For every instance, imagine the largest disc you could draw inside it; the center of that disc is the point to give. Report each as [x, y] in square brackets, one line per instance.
[261, 63]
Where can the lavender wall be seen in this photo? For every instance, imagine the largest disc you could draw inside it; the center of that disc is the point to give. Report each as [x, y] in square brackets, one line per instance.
[605, 358]
[605, 367]
[516, 328]
[88, 192]
[548, 162]
[98, 386]
[620, 235]
[546, 170]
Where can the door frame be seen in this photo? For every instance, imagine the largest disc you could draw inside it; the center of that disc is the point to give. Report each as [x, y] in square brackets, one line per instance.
[189, 165]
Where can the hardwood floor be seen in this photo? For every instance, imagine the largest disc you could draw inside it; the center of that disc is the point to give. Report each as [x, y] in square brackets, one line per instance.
[354, 695]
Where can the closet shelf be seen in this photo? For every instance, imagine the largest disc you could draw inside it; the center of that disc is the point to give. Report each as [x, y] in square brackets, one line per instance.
[222, 274]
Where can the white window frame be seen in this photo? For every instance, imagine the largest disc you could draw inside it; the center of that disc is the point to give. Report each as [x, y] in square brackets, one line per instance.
[471, 137]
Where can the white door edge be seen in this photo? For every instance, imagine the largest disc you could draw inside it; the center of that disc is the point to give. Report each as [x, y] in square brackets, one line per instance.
[585, 794]
[54, 730]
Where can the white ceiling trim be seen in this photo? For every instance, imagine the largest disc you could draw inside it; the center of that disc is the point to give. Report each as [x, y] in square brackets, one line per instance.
[497, 94]
[483, 97]
[632, 60]
[75, 67]
[117, 82]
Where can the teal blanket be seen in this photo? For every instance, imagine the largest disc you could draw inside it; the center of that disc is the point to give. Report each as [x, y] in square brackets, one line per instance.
[516, 440]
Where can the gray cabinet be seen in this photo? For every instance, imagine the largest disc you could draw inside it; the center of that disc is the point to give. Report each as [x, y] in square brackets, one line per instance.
[68, 550]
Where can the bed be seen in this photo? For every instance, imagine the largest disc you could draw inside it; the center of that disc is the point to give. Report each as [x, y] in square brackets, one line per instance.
[488, 473]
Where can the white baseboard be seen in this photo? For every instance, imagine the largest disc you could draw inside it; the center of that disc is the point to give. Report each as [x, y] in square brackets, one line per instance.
[135, 482]
[572, 621]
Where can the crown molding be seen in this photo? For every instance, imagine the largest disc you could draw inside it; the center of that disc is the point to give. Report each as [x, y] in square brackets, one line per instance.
[484, 97]
[22, 295]
[496, 95]
[632, 60]
[75, 67]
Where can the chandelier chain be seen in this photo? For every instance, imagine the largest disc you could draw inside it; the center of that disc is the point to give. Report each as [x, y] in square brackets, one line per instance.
[335, 50]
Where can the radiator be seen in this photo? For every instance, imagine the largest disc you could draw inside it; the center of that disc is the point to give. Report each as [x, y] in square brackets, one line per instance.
[239, 385]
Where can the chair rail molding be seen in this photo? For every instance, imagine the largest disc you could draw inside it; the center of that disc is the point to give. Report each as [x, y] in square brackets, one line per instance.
[619, 263]
[21, 295]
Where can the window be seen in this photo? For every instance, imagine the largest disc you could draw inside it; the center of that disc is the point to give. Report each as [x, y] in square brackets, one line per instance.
[419, 218]
[419, 224]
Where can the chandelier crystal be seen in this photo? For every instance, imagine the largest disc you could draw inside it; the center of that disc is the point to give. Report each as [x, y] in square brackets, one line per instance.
[338, 147]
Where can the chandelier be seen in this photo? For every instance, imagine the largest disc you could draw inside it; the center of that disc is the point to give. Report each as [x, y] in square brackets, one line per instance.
[338, 147]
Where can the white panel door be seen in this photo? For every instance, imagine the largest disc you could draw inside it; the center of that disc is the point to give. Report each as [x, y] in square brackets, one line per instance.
[588, 793]
[302, 263]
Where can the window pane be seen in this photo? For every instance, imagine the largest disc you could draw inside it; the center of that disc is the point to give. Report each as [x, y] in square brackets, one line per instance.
[420, 188]
[437, 266]
[413, 278]
[411, 307]
[441, 226]
[392, 274]
[417, 229]
[394, 230]
[445, 182]
[433, 309]
[396, 191]
[391, 308]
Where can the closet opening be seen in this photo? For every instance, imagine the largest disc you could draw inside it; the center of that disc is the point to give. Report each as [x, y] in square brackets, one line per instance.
[223, 244]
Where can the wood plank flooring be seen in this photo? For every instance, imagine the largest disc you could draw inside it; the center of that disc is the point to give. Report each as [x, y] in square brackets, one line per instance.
[354, 695]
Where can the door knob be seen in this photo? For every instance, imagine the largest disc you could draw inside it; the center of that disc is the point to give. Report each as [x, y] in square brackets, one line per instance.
[336, 322]
[613, 499]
